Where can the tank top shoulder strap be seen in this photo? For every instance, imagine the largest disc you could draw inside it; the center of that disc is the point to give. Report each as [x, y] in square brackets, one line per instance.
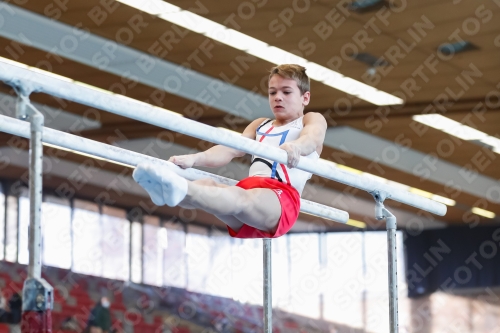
[264, 123]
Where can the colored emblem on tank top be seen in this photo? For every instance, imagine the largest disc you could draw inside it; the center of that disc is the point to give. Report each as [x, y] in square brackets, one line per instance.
[274, 166]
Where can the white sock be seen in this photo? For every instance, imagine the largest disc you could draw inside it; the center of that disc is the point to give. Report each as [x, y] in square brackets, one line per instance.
[164, 186]
[142, 177]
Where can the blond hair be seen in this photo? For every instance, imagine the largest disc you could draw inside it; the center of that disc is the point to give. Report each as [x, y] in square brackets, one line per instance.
[295, 72]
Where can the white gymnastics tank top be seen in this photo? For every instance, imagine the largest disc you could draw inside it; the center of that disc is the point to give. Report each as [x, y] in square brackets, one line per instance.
[276, 136]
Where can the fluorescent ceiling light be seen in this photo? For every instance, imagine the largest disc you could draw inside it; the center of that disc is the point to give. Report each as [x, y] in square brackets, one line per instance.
[33, 69]
[468, 133]
[436, 120]
[356, 223]
[189, 21]
[88, 155]
[435, 197]
[236, 39]
[40, 71]
[257, 48]
[152, 7]
[443, 200]
[483, 212]
[422, 193]
[459, 130]
[492, 142]
[15, 63]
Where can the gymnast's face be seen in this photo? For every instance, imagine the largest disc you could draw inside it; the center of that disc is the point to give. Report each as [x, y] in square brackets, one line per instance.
[285, 99]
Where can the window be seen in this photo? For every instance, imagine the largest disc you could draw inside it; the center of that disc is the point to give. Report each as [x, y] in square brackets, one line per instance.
[11, 222]
[281, 272]
[174, 256]
[136, 260]
[87, 234]
[152, 252]
[219, 281]
[305, 277]
[56, 232]
[343, 282]
[24, 222]
[198, 246]
[246, 260]
[115, 243]
[375, 266]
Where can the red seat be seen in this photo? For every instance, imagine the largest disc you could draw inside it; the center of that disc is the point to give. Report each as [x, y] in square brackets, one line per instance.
[22, 273]
[147, 328]
[5, 276]
[75, 311]
[85, 302]
[57, 319]
[117, 324]
[118, 306]
[118, 297]
[4, 328]
[133, 318]
[79, 293]
[290, 324]
[59, 296]
[15, 286]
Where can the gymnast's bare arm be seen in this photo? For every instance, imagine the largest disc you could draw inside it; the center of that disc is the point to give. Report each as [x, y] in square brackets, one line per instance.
[311, 139]
[218, 155]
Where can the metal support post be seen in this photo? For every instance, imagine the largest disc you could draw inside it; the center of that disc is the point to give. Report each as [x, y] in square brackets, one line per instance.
[24, 110]
[382, 213]
[268, 303]
[37, 293]
[36, 162]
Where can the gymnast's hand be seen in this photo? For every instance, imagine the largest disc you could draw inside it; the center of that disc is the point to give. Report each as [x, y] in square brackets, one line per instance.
[184, 161]
[293, 151]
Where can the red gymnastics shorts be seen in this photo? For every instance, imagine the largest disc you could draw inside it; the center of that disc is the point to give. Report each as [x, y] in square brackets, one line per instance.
[290, 207]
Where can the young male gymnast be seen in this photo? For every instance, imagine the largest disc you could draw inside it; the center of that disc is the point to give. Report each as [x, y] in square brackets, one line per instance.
[267, 203]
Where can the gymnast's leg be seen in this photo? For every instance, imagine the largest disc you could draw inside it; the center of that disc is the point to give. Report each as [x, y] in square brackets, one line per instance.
[259, 208]
[229, 220]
